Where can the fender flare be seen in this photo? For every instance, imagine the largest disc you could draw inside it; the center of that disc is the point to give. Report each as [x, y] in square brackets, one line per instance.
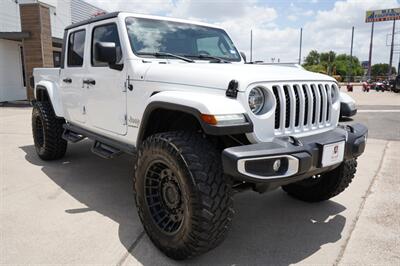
[53, 93]
[194, 105]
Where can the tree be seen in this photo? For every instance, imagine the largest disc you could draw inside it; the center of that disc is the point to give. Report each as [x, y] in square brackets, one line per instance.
[316, 68]
[381, 70]
[328, 61]
[332, 64]
[312, 58]
[327, 57]
[343, 67]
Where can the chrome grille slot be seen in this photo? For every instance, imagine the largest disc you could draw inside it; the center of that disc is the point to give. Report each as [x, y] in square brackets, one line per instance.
[278, 107]
[314, 111]
[288, 105]
[297, 101]
[329, 106]
[302, 106]
[306, 111]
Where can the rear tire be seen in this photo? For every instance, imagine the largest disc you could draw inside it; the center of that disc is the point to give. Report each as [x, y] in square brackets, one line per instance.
[326, 186]
[183, 199]
[47, 130]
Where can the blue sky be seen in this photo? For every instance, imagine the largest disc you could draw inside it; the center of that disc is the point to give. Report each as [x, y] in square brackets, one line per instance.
[275, 24]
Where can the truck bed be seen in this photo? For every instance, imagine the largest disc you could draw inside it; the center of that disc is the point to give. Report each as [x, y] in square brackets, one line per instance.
[49, 74]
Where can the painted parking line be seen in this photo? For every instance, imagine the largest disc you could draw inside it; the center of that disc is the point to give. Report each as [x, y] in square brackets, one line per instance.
[380, 111]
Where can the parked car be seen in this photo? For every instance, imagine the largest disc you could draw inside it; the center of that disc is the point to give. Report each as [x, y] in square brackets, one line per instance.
[201, 123]
[347, 105]
[396, 85]
[391, 84]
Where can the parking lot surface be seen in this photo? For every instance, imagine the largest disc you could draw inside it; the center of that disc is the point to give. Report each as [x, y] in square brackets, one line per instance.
[80, 210]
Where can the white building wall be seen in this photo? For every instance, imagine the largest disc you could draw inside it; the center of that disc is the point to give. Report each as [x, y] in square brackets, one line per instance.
[9, 16]
[11, 81]
[80, 10]
[60, 15]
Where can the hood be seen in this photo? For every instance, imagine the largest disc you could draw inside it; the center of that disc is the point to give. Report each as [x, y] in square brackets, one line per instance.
[218, 76]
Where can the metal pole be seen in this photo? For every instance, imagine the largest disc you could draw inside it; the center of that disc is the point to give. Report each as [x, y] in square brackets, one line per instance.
[398, 67]
[251, 46]
[370, 50]
[349, 73]
[391, 50]
[301, 40]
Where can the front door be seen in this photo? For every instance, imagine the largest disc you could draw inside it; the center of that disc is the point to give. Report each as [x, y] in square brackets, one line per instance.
[105, 86]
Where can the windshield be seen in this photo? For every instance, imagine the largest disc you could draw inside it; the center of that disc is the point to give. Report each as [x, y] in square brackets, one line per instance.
[150, 36]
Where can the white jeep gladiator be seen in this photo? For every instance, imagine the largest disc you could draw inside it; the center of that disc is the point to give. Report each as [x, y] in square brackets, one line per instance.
[201, 122]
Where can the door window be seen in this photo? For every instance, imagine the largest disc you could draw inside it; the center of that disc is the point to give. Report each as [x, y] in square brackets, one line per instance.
[76, 47]
[106, 33]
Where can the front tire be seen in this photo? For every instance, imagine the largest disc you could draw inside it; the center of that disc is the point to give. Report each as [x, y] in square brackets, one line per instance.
[183, 199]
[326, 186]
[47, 130]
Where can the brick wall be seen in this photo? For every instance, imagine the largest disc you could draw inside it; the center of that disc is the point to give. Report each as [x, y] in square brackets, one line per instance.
[38, 48]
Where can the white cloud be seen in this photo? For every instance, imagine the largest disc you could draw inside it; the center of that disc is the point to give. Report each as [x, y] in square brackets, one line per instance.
[332, 30]
[137, 6]
[327, 30]
[308, 13]
[247, 11]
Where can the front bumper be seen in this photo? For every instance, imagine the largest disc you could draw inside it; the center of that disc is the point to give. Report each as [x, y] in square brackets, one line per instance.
[301, 158]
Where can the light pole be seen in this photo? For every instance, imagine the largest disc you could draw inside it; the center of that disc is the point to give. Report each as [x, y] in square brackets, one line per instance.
[351, 56]
[301, 40]
[251, 46]
[391, 50]
[370, 50]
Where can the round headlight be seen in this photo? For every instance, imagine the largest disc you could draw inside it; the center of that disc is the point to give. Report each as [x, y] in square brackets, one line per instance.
[256, 100]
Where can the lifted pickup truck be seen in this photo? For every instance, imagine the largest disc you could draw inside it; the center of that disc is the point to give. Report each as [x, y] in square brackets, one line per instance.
[201, 122]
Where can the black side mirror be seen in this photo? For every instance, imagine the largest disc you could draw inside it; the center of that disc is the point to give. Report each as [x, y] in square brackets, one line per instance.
[244, 56]
[105, 52]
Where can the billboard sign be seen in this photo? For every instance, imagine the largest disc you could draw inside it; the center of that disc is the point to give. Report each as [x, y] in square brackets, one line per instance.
[382, 15]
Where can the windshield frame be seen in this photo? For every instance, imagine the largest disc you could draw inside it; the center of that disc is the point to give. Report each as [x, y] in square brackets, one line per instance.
[139, 55]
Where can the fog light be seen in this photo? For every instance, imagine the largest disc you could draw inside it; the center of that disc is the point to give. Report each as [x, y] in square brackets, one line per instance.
[276, 165]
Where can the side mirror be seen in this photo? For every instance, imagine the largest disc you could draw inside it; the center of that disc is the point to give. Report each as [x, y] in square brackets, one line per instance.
[105, 52]
[244, 56]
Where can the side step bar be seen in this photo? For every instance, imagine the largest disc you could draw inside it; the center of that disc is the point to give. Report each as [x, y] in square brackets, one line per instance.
[71, 136]
[105, 151]
[103, 146]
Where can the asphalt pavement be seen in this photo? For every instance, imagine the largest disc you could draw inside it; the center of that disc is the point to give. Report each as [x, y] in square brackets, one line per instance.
[80, 209]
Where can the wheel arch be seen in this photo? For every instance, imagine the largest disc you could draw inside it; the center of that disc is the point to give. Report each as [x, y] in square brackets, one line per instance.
[46, 91]
[156, 119]
[162, 116]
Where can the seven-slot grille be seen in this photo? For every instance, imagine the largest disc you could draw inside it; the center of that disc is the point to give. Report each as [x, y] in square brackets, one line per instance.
[301, 107]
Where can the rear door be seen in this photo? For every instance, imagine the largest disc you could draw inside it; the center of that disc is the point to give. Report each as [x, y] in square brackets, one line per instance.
[106, 93]
[71, 76]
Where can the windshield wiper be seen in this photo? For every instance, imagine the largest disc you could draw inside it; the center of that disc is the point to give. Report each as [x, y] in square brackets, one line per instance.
[202, 56]
[162, 54]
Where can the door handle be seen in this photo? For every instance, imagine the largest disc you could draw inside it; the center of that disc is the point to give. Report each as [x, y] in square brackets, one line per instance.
[67, 80]
[89, 81]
